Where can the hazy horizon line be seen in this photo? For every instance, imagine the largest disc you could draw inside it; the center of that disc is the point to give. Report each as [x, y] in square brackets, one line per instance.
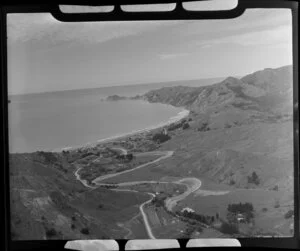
[110, 86]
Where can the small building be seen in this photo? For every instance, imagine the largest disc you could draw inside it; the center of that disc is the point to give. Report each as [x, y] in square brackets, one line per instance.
[241, 218]
[187, 209]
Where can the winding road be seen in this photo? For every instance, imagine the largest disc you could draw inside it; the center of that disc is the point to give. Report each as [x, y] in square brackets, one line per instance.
[192, 184]
[165, 155]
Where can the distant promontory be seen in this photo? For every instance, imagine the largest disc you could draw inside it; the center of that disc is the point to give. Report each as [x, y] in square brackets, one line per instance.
[115, 98]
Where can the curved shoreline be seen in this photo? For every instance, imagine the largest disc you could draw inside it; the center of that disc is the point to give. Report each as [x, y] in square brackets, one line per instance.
[181, 115]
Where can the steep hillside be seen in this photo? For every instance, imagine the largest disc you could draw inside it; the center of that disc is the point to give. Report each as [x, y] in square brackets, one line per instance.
[48, 203]
[267, 90]
[237, 127]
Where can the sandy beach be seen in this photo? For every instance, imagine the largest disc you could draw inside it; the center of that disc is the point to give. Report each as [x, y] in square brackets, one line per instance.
[181, 115]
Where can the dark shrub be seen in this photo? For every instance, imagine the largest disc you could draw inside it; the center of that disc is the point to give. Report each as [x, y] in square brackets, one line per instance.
[240, 207]
[185, 126]
[253, 178]
[173, 127]
[228, 228]
[73, 226]
[289, 214]
[129, 156]
[73, 218]
[190, 119]
[85, 231]
[232, 182]
[276, 188]
[160, 137]
[264, 209]
[51, 232]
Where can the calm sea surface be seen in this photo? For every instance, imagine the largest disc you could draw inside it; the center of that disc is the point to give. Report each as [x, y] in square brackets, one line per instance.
[52, 121]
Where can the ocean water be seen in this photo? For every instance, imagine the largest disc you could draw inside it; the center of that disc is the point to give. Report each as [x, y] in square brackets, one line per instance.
[52, 121]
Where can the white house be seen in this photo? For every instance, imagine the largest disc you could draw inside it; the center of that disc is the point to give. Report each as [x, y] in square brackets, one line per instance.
[187, 209]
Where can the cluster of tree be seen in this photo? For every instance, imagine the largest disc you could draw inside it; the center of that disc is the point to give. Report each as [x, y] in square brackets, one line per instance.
[175, 126]
[126, 157]
[254, 179]
[51, 232]
[110, 186]
[159, 201]
[206, 219]
[185, 126]
[240, 208]
[160, 137]
[85, 231]
[246, 209]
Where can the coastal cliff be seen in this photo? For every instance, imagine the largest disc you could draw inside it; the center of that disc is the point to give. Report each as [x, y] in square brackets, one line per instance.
[260, 90]
[266, 90]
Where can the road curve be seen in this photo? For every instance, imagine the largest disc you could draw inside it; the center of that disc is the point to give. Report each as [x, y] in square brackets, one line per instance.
[191, 183]
[84, 182]
[145, 218]
[165, 154]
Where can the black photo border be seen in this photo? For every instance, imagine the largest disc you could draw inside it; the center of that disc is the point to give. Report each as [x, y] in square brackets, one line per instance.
[118, 15]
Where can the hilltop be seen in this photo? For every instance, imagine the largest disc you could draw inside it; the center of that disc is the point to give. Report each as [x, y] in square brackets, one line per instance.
[257, 91]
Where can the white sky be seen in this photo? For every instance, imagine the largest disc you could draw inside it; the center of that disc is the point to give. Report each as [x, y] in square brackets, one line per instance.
[47, 55]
